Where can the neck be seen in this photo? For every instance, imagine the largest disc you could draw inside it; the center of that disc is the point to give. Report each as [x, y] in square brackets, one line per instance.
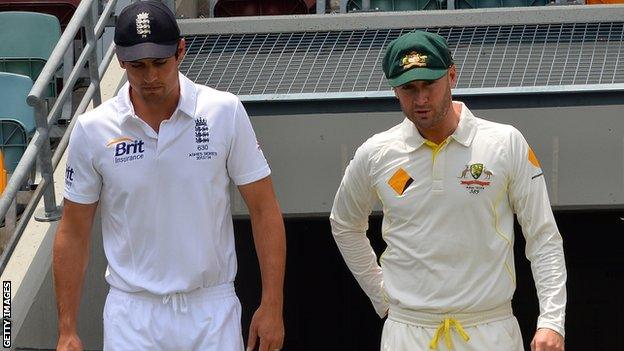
[446, 128]
[154, 112]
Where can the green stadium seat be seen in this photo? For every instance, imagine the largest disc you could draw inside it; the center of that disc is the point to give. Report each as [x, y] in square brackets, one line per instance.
[399, 5]
[14, 89]
[478, 4]
[28, 39]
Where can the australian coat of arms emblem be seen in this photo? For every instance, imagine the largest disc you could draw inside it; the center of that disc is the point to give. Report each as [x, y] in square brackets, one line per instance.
[414, 59]
[475, 177]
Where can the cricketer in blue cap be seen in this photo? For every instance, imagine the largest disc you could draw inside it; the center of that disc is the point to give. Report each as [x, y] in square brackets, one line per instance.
[146, 29]
[159, 160]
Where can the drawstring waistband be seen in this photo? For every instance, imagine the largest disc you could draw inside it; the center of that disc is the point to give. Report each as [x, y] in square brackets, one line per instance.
[180, 300]
[177, 300]
[444, 324]
[445, 330]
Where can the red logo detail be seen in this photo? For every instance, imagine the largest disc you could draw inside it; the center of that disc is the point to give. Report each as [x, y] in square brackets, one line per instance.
[473, 182]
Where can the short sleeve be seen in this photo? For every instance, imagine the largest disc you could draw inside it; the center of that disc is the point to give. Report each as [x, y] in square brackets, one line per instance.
[246, 162]
[82, 181]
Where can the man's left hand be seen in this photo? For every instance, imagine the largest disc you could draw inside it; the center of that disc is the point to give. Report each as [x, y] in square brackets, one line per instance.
[267, 324]
[547, 340]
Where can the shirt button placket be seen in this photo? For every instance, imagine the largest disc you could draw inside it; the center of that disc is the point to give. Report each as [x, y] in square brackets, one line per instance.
[439, 163]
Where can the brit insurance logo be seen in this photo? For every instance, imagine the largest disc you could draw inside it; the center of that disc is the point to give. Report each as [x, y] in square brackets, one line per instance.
[127, 149]
[475, 177]
[202, 140]
[69, 176]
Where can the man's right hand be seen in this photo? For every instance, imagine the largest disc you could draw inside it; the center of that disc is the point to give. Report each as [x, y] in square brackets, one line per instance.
[69, 342]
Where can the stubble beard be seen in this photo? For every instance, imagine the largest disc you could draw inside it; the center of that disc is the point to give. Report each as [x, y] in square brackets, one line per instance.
[438, 118]
[152, 97]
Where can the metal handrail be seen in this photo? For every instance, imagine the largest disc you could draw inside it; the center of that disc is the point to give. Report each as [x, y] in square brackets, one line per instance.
[82, 59]
[39, 147]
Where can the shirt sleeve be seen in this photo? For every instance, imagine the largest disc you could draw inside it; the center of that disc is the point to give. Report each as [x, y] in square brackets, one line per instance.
[82, 181]
[544, 245]
[349, 222]
[246, 162]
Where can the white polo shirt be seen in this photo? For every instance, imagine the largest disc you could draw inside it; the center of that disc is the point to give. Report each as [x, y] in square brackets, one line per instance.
[448, 220]
[164, 198]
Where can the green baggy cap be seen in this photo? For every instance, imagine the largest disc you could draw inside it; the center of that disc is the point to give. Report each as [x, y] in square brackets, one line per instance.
[417, 55]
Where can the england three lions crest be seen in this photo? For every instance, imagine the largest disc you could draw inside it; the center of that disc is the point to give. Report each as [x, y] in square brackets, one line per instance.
[202, 131]
[202, 139]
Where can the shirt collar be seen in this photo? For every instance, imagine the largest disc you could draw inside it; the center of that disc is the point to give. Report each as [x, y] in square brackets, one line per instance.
[467, 127]
[464, 134]
[186, 104]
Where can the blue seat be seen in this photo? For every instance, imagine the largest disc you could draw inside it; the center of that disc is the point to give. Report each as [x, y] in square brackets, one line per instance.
[13, 142]
[27, 40]
[14, 89]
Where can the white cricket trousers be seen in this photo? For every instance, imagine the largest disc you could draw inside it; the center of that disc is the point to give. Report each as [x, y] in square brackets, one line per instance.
[206, 319]
[494, 330]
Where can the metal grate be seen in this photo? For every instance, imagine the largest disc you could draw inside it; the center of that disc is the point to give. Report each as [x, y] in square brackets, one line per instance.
[350, 61]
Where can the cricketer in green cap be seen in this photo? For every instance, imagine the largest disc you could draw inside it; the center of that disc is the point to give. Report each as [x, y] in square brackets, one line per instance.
[420, 69]
[443, 217]
[417, 55]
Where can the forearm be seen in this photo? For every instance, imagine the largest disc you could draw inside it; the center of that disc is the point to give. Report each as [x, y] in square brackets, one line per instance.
[270, 243]
[544, 249]
[549, 272]
[361, 259]
[70, 258]
[349, 223]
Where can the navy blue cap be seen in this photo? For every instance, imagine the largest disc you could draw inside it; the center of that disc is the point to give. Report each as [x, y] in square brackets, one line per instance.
[146, 29]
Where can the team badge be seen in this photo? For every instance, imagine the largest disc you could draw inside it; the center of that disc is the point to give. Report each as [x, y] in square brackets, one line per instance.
[202, 131]
[202, 140]
[476, 169]
[143, 24]
[414, 59]
[481, 177]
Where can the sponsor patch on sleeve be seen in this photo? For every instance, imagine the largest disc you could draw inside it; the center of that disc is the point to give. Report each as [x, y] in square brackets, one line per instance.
[535, 162]
[533, 159]
[69, 176]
